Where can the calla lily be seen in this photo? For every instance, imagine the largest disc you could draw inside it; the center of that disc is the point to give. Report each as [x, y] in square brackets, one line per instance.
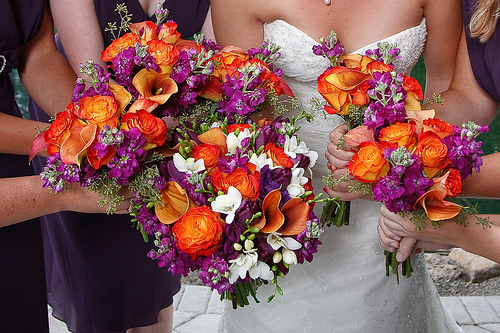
[176, 202]
[216, 137]
[122, 96]
[436, 208]
[227, 203]
[189, 165]
[154, 86]
[212, 90]
[418, 116]
[353, 60]
[81, 137]
[289, 220]
[359, 134]
[38, 145]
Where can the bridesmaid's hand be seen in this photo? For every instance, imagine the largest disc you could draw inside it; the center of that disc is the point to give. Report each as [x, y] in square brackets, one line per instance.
[338, 161]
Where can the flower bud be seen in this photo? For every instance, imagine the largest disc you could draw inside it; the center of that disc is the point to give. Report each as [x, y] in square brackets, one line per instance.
[248, 244]
[277, 257]
[237, 246]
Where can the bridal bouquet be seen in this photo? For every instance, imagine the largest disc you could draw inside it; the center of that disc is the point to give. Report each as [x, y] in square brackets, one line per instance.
[410, 160]
[226, 195]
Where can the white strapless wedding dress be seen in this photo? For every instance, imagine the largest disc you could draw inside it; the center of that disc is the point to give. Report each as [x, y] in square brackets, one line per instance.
[344, 289]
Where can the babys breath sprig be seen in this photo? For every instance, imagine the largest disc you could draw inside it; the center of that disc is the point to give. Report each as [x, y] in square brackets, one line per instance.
[125, 19]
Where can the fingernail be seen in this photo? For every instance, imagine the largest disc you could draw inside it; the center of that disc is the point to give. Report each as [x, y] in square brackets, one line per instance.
[394, 245]
[324, 189]
[333, 168]
[347, 164]
[399, 257]
[391, 250]
[397, 238]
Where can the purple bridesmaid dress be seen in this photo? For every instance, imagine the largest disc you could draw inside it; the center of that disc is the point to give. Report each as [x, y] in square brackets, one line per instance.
[23, 302]
[99, 278]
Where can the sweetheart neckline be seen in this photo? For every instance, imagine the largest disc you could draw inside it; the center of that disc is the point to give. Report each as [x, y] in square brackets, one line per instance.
[356, 51]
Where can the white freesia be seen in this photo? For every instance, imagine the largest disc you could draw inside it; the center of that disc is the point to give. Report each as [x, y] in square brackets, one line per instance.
[286, 244]
[292, 147]
[248, 262]
[228, 203]
[296, 186]
[188, 165]
[261, 161]
[233, 142]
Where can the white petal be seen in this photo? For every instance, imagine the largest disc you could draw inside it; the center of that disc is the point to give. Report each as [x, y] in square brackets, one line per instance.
[179, 162]
[292, 244]
[289, 257]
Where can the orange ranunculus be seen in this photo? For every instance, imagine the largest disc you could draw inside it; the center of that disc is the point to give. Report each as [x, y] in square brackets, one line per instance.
[441, 128]
[199, 232]
[402, 134]
[233, 127]
[377, 66]
[247, 184]
[157, 87]
[369, 164]
[118, 45]
[433, 154]
[152, 128]
[164, 53]
[99, 110]
[342, 87]
[277, 154]
[209, 153]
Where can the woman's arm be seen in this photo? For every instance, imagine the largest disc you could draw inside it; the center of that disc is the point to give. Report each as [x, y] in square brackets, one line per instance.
[465, 100]
[78, 28]
[398, 232]
[18, 134]
[24, 198]
[44, 71]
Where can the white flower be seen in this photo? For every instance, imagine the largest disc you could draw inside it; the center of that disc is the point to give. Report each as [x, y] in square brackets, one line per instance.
[286, 244]
[227, 203]
[189, 165]
[233, 142]
[248, 262]
[261, 161]
[292, 148]
[296, 186]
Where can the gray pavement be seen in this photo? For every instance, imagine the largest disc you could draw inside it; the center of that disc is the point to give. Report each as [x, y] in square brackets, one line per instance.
[198, 309]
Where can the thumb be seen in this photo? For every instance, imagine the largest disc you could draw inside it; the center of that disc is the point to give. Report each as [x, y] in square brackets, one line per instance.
[405, 248]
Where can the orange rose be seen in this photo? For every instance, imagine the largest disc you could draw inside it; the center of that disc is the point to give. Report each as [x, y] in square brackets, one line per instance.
[99, 110]
[433, 154]
[342, 87]
[59, 129]
[441, 128]
[199, 232]
[369, 164]
[278, 156]
[168, 33]
[402, 134]
[228, 61]
[452, 182]
[118, 45]
[164, 53]
[412, 86]
[153, 128]
[233, 127]
[209, 153]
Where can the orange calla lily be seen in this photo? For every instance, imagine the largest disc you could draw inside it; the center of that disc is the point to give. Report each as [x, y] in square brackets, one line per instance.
[154, 86]
[176, 202]
[436, 208]
[296, 213]
[355, 61]
[411, 102]
[122, 96]
[418, 116]
[289, 220]
[80, 138]
[216, 137]
[38, 145]
[272, 218]
[212, 90]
